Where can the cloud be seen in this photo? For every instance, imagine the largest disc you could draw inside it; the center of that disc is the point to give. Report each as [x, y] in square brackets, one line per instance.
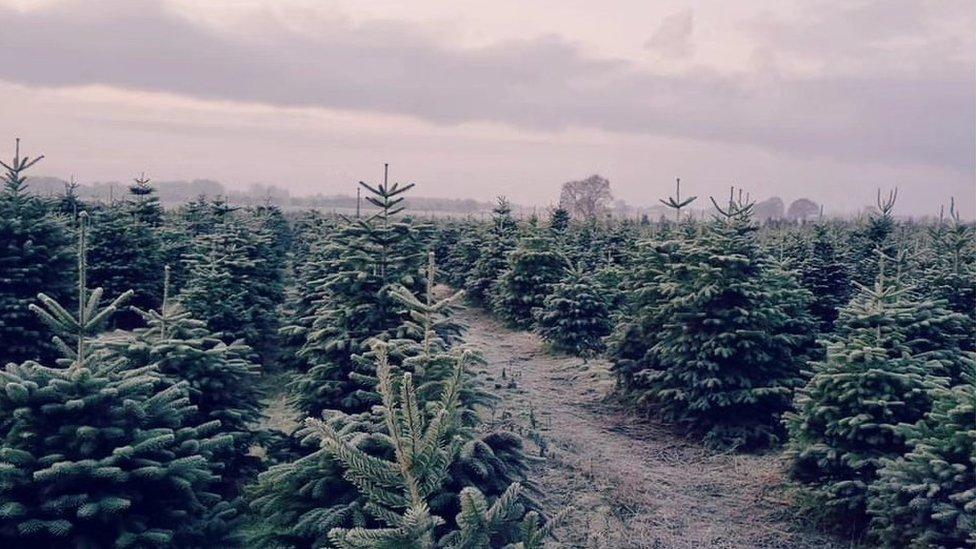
[547, 83]
[672, 38]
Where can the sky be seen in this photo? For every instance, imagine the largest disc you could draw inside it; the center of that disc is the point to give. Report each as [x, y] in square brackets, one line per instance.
[825, 100]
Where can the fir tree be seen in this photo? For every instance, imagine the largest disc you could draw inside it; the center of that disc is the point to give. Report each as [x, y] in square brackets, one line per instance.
[300, 502]
[559, 220]
[465, 253]
[926, 498]
[35, 252]
[222, 382]
[369, 257]
[824, 273]
[493, 258]
[950, 267]
[574, 317]
[126, 255]
[631, 344]
[847, 416]
[144, 202]
[532, 270]
[734, 335]
[398, 491]
[93, 454]
[69, 204]
[235, 282]
[876, 236]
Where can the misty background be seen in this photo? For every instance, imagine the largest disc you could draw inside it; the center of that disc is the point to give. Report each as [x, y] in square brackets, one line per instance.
[794, 99]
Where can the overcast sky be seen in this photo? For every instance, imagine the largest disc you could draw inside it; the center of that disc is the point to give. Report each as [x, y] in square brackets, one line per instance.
[828, 100]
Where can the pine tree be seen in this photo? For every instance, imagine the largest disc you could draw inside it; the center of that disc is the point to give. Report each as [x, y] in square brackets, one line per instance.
[876, 236]
[532, 270]
[574, 317]
[235, 281]
[559, 220]
[35, 252]
[493, 258]
[824, 273]
[398, 490]
[93, 454]
[299, 503]
[144, 203]
[847, 416]
[222, 382]
[125, 255]
[369, 257]
[950, 265]
[926, 498]
[734, 336]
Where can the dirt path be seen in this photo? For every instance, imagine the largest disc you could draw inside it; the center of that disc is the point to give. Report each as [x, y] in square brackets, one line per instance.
[629, 483]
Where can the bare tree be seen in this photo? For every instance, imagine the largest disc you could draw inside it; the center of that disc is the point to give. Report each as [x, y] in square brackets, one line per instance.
[587, 198]
[802, 209]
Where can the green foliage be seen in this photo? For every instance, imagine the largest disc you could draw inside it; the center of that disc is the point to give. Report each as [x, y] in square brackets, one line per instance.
[574, 317]
[126, 254]
[492, 259]
[630, 346]
[221, 381]
[35, 253]
[848, 415]
[144, 203]
[300, 502]
[398, 490]
[876, 236]
[733, 333]
[364, 261]
[949, 270]
[559, 220]
[95, 454]
[927, 498]
[824, 272]
[532, 270]
[235, 280]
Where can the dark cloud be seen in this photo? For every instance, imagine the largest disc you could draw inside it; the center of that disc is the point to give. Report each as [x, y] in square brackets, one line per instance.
[545, 83]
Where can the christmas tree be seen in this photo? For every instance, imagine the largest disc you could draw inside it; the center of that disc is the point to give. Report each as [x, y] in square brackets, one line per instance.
[235, 281]
[35, 252]
[300, 502]
[574, 317]
[848, 415]
[493, 258]
[734, 336]
[144, 204]
[398, 490]
[926, 497]
[126, 254]
[876, 236]
[630, 345]
[950, 265]
[369, 257]
[824, 272]
[94, 454]
[559, 220]
[533, 268]
[222, 383]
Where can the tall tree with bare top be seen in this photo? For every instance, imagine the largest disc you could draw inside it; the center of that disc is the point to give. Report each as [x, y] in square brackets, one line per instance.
[35, 252]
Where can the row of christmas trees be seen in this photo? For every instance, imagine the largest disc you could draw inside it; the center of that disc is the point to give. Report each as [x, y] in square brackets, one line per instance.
[151, 434]
[849, 342]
